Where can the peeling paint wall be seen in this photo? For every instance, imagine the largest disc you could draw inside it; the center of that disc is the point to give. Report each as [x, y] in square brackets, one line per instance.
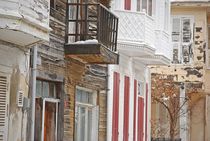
[15, 62]
[192, 74]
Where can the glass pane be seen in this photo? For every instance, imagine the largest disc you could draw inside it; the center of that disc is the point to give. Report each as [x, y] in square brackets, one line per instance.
[138, 5]
[144, 6]
[89, 124]
[38, 88]
[82, 124]
[52, 91]
[150, 7]
[45, 89]
[186, 30]
[176, 30]
[84, 96]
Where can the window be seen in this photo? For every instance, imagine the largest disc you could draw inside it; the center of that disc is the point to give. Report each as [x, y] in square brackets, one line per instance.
[47, 110]
[166, 18]
[140, 89]
[86, 115]
[145, 6]
[182, 39]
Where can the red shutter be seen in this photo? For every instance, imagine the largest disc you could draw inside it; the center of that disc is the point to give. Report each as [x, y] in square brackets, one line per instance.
[127, 5]
[140, 119]
[115, 115]
[126, 109]
[146, 112]
[134, 115]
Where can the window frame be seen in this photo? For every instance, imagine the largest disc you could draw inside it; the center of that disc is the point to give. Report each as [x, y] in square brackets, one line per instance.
[180, 42]
[139, 7]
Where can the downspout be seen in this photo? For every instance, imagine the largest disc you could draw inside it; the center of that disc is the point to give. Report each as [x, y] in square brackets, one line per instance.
[33, 91]
[109, 103]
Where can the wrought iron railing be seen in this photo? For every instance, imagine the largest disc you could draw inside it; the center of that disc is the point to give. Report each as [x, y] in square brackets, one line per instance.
[88, 21]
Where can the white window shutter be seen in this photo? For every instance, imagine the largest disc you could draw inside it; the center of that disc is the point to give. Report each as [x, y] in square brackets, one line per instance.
[4, 98]
[176, 33]
[187, 37]
[95, 122]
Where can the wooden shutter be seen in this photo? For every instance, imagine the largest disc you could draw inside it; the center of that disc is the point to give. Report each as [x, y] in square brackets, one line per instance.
[126, 109]
[115, 115]
[146, 112]
[176, 33]
[4, 98]
[134, 115]
[140, 130]
[127, 5]
[95, 119]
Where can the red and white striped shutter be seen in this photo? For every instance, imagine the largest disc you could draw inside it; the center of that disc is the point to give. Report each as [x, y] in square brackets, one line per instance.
[126, 108]
[4, 99]
[115, 116]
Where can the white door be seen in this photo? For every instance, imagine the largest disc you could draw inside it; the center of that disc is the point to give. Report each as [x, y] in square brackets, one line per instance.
[4, 102]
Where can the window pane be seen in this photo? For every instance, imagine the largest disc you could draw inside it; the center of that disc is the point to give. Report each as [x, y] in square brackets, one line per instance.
[138, 5]
[176, 29]
[150, 7]
[144, 6]
[38, 88]
[52, 91]
[84, 96]
[45, 89]
[186, 30]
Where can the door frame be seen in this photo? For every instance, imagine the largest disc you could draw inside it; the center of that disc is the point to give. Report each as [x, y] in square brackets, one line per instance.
[52, 100]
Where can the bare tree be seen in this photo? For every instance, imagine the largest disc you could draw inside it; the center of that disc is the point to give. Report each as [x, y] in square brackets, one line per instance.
[166, 92]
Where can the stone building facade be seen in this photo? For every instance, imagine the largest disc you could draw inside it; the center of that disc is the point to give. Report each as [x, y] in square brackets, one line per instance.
[187, 70]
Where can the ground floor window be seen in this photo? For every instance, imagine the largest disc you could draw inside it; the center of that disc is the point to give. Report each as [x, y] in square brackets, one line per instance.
[86, 115]
[47, 109]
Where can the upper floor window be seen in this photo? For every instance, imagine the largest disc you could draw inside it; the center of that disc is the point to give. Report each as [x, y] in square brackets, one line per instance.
[145, 6]
[166, 18]
[182, 39]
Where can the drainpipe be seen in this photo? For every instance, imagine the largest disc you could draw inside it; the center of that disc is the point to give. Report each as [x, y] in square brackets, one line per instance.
[109, 106]
[33, 91]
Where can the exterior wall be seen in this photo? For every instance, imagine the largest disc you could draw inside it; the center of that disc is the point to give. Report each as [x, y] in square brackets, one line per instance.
[192, 74]
[92, 77]
[14, 61]
[134, 70]
[22, 17]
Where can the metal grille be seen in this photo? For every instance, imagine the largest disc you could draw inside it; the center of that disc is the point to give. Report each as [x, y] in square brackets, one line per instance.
[87, 21]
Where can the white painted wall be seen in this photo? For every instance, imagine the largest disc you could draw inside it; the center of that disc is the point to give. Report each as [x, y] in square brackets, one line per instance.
[15, 62]
[24, 18]
[134, 70]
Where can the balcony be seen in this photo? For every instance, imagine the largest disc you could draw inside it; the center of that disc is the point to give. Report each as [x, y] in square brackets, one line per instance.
[136, 35]
[24, 22]
[91, 34]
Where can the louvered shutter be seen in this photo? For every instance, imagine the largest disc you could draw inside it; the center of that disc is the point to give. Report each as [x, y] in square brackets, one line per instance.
[4, 97]
[176, 32]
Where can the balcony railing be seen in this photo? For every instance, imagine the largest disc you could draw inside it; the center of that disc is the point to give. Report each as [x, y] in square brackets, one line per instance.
[136, 27]
[91, 21]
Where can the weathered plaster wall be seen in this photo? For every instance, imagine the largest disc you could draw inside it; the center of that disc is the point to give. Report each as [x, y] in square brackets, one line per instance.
[15, 62]
[192, 74]
[91, 77]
